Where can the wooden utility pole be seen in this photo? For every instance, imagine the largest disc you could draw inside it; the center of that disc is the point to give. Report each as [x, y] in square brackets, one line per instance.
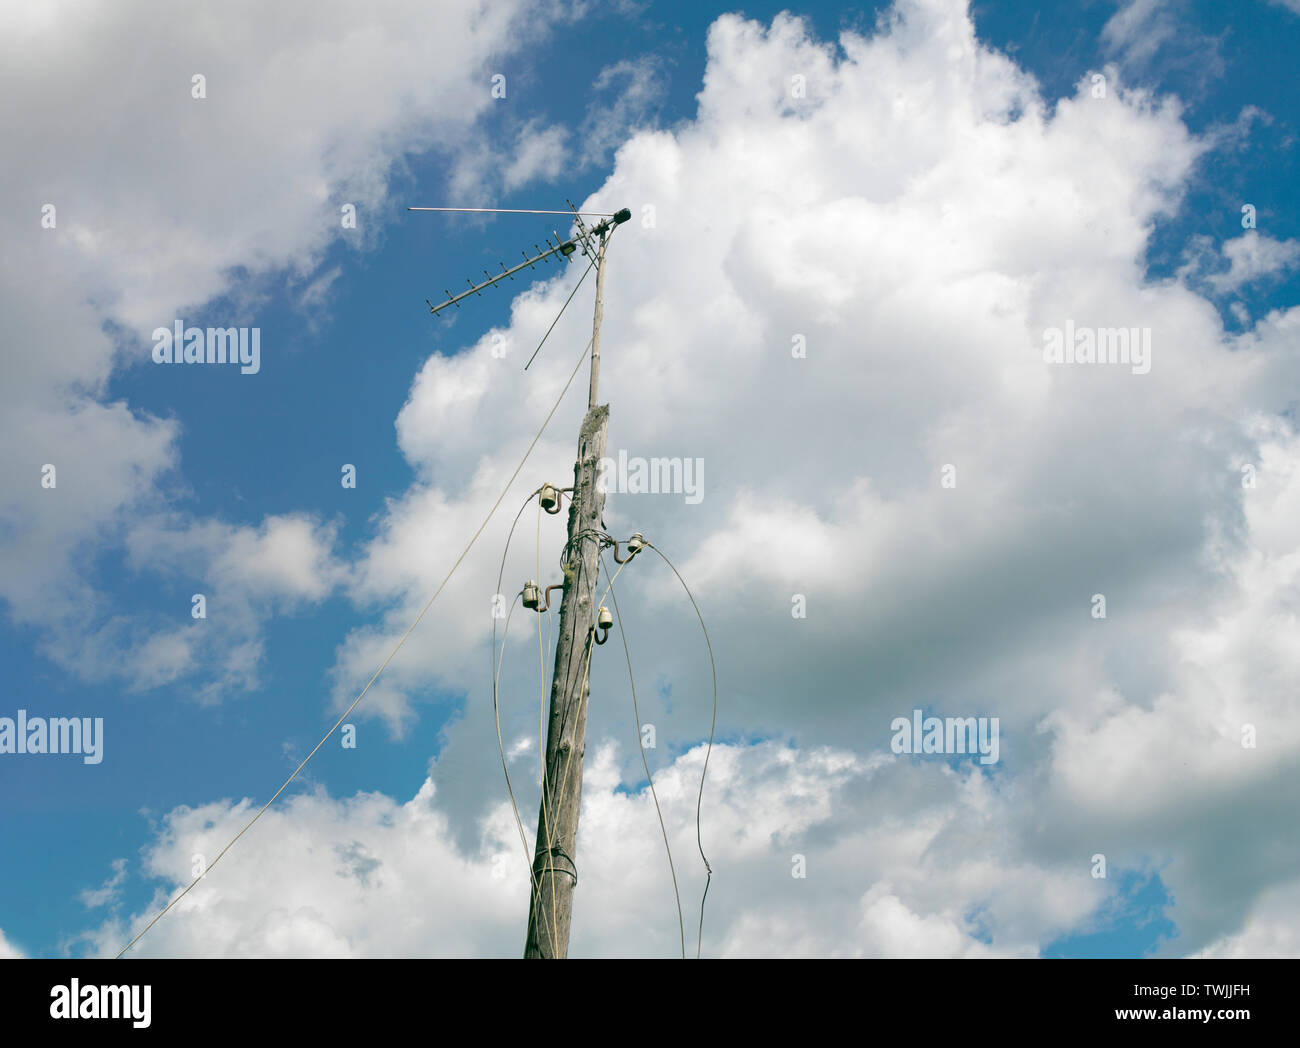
[555, 874]
[554, 871]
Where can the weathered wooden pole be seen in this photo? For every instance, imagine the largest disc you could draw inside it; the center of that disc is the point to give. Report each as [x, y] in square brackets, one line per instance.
[555, 874]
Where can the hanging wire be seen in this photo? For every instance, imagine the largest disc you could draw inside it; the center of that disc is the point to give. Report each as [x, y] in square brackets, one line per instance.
[560, 313]
[541, 715]
[708, 752]
[496, 677]
[636, 714]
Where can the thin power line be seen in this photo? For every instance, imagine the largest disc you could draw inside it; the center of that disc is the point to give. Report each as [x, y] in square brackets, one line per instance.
[496, 680]
[699, 800]
[386, 661]
[561, 312]
[636, 714]
[541, 715]
[496, 708]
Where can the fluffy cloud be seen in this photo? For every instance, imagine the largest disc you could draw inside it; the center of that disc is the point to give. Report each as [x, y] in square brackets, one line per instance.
[627, 95]
[351, 877]
[1270, 930]
[8, 952]
[244, 575]
[1252, 256]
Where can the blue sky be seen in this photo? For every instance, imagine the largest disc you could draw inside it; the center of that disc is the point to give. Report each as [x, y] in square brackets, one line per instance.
[204, 447]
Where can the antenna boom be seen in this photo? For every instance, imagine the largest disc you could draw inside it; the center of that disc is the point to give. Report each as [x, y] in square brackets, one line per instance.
[564, 248]
[527, 263]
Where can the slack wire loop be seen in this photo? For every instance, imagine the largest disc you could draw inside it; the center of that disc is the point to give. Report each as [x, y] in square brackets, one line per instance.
[636, 713]
[708, 752]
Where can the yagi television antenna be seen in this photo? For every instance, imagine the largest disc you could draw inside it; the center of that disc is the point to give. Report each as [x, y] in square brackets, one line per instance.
[562, 248]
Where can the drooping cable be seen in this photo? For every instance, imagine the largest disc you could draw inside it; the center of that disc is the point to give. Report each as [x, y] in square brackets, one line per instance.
[645, 763]
[699, 800]
[496, 680]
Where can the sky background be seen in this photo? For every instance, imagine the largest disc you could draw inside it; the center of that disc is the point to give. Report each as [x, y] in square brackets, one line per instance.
[916, 191]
